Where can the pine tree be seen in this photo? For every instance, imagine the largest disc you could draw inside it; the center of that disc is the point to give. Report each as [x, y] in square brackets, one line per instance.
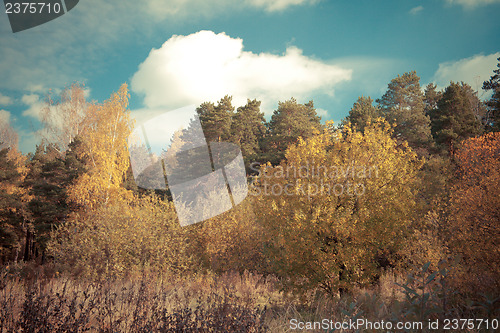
[492, 119]
[403, 106]
[362, 113]
[248, 129]
[11, 219]
[431, 98]
[216, 119]
[289, 122]
[454, 119]
[48, 178]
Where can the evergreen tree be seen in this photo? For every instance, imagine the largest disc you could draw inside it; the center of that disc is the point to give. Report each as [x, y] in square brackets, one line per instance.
[11, 219]
[216, 119]
[403, 105]
[48, 178]
[492, 118]
[190, 157]
[454, 119]
[362, 113]
[248, 129]
[289, 122]
[431, 98]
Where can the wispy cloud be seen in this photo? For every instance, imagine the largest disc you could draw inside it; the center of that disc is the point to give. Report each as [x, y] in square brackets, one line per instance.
[205, 66]
[5, 100]
[183, 8]
[416, 10]
[4, 116]
[473, 71]
[278, 5]
[321, 112]
[371, 74]
[472, 3]
[66, 49]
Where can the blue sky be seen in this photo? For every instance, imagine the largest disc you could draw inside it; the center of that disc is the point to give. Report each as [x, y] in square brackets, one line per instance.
[181, 52]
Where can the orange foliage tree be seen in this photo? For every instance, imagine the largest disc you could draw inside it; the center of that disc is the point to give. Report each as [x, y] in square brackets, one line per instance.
[474, 224]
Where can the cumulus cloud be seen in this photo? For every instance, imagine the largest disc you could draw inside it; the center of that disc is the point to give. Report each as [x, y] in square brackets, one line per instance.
[472, 3]
[205, 66]
[416, 10]
[473, 70]
[34, 104]
[92, 30]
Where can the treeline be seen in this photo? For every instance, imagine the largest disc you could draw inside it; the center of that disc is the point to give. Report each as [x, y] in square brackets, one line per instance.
[410, 178]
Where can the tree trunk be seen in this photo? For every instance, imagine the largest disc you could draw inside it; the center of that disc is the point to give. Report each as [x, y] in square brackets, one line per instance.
[27, 246]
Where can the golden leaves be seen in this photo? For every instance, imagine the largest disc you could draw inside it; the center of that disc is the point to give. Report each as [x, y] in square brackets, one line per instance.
[104, 147]
[316, 218]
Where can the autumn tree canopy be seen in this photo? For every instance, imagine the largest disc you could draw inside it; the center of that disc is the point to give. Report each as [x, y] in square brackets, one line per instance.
[104, 148]
[474, 223]
[338, 208]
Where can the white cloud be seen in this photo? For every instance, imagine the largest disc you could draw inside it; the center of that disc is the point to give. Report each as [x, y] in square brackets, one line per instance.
[205, 66]
[472, 3]
[30, 99]
[5, 100]
[416, 10]
[72, 46]
[36, 88]
[192, 8]
[34, 104]
[160, 9]
[321, 112]
[68, 48]
[473, 71]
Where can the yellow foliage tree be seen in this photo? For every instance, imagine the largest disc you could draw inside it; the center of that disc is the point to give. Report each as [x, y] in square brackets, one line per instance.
[115, 233]
[120, 239]
[104, 148]
[338, 208]
[231, 241]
